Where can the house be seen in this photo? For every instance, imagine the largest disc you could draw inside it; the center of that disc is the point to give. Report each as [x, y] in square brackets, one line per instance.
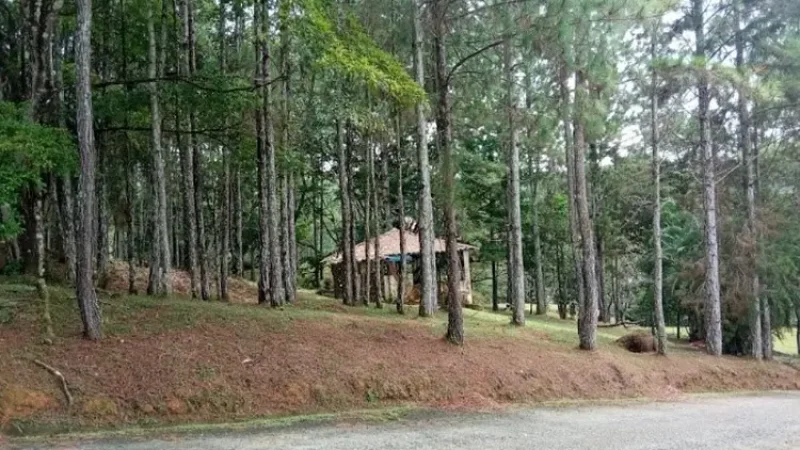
[389, 256]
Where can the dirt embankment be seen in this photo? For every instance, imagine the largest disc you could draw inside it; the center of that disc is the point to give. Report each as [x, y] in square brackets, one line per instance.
[228, 371]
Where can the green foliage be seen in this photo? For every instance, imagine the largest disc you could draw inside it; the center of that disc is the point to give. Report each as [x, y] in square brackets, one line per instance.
[349, 50]
[27, 152]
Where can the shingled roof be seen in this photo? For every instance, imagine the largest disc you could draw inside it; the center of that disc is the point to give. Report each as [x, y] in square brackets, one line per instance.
[390, 245]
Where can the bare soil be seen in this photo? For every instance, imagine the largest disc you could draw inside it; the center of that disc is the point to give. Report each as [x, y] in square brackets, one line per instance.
[239, 361]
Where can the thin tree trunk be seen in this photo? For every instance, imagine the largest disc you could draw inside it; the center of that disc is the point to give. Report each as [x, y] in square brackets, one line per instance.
[351, 226]
[455, 320]
[541, 299]
[41, 285]
[197, 161]
[658, 276]
[713, 316]
[87, 298]
[277, 292]
[261, 151]
[517, 267]
[238, 247]
[290, 240]
[427, 303]
[66, 208]
[367, 225]
[344, 194]
[587, 322]
[186, 144]
[766, 315]
[225, 201]
[756, 346]
[376, 212]
[566, 118]
[285, 247]
[401, 213]
[102, 220]
[291, 289]
[161, 230]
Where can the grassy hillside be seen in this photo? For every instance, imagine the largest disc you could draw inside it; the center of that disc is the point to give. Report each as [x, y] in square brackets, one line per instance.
[176, 360]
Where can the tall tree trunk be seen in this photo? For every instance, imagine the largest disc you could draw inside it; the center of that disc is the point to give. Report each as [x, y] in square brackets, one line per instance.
[516, 268]
[455, 319]
[277, 292]
[87, 297]
[756, 346]
[541, 298]
[713, 316]
[202, 251]
[368, 226]
[566, 118]
[161, 230]
[287, 207]
[285, 247]
[225, 200]
[658, 275]
[186, 144]
[261, 152]
[376, 213]
[427, 303]
[766, 315]
[344, 194]
[401, 213]
[587, 322]
[351, 226]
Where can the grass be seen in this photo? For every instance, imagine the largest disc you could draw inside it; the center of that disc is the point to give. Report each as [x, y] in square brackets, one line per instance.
[168, 361]
[786, 342]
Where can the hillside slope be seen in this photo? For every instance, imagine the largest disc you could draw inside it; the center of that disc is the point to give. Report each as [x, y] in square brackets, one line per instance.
[177, 360]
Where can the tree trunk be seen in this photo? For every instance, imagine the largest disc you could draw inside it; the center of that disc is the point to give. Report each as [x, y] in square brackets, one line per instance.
[344, 194]
[587, 322]
[495, 300]
[541, 298]
[161, 230]
[277, 292]
[713, 319]
[186, 144]
[202, 251]
[401, 214]
[65, 199]
[285, 237]
[427, 302]
[238, 246]
[376, 213]
[87, 297]
[756, 346]
[102, 219]
[658, 276]
[225, 200]
[291, 288]
[351, 226]
[455, 320]
[566, 118]
[261, 151]
[368, 226]
[41, 285]
[516, 268]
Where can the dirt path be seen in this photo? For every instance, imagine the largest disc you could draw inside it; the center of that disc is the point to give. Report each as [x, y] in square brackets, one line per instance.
[766, 421]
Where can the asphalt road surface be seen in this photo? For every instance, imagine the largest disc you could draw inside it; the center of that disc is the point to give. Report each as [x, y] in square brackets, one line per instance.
[764, 421]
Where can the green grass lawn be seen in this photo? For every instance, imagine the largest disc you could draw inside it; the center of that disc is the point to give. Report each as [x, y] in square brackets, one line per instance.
[787, 342]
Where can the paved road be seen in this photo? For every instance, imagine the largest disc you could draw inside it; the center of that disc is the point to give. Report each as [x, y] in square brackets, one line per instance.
[766, 421]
